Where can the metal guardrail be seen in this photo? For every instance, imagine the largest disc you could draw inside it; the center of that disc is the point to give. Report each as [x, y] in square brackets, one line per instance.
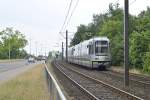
[53, 87]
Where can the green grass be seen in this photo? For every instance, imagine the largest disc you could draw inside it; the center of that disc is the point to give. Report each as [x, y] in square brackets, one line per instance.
[30, 85]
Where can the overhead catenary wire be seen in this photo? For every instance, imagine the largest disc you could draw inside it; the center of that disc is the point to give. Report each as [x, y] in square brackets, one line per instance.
[65, 18]
[77, 2]
[132, 2]
[69, 17]
[73, 12]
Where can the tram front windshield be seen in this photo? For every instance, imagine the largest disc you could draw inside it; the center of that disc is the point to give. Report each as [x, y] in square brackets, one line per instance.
[101, 48]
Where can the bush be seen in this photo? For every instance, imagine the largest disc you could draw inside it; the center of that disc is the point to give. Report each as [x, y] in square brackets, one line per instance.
[146, 64]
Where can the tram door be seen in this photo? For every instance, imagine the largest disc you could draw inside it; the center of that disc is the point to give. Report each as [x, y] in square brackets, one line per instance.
[90, 53]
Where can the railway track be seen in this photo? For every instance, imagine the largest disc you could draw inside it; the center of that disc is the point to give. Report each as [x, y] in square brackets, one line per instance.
[137, 84]
[136, 88]
[89, 94]
[99, 87]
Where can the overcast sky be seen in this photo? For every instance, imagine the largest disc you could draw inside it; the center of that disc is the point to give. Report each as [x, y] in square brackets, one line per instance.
[41, 20]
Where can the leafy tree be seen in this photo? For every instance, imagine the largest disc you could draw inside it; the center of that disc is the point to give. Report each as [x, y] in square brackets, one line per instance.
[80, 35]
[146, 62]
[140, 41]
[50, 55]
[13, 40]
[138, 47]
[110, 24]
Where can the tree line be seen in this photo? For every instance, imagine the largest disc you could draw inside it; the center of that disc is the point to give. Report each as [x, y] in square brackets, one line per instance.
[14, 41]
[110, 24]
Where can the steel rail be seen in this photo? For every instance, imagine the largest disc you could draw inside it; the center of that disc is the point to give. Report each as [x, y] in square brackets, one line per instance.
[107, 85]
[81, 87]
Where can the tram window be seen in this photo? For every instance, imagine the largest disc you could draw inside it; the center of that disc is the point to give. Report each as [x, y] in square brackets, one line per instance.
[97, 49]
[104, 42]
[104, 49]
[101, 47]
[90, 47]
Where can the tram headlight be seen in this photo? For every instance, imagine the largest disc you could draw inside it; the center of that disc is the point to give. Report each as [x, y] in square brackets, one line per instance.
[106, 58]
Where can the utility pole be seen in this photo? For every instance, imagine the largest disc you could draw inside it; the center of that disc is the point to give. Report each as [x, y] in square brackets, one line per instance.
[66, 45]
[36, 48]
[62, 50]
[9, 48]
[126, 43]
[41, 51]
[45, 51]
[30, 46]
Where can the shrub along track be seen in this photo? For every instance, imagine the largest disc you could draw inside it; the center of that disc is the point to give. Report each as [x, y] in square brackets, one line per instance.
[99, 89]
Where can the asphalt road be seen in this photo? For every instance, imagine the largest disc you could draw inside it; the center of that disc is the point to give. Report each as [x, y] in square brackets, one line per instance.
[9, 70]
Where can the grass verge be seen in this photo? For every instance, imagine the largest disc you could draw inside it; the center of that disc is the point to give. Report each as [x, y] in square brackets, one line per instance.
[11, 60]
[133, 70]
[30, 85]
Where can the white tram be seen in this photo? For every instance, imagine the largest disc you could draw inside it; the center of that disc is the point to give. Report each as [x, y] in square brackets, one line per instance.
[93, 53]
